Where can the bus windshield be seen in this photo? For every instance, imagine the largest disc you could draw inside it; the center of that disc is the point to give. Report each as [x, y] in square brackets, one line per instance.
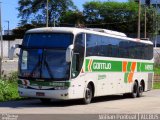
[43, 56]
[47, 40]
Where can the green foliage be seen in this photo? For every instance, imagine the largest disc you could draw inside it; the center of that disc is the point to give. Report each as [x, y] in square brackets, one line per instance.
[157, 70]
[153, 19]
[72, 18]
[35, 10]
[156, 85]
[9, 87]
[92, 11]
[20, 31]
[119, 16]
[111, 15]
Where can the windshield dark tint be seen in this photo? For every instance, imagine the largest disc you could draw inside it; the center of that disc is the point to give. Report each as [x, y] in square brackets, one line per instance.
[48, 40]
[44, 63]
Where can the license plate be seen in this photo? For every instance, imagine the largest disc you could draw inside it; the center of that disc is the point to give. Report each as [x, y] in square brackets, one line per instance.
[40, 94]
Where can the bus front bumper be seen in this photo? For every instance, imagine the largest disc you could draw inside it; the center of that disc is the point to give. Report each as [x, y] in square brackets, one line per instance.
[53, 94]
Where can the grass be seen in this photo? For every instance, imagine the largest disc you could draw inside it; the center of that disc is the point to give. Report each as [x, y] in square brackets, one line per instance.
[9, 88]
[156, 85]
[157, 70]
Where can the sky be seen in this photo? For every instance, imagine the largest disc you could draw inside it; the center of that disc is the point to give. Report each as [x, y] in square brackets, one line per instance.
[9, 11]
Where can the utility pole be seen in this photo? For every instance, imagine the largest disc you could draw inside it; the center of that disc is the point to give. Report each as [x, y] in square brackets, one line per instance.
[8, 26]
[147, 4]
[156, 24]
[139, 19]
[8, 40]
[1, 33]
[1, 58]
[145, 23]
[47, 15]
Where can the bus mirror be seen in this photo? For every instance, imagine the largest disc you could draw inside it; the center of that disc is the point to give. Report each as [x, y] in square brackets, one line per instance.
[17, 46]
[17, 54]
[12, 49]
[69, 53]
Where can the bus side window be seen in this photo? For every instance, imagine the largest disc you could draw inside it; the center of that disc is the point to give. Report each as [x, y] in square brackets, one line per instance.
[78, 55]
[75, 63]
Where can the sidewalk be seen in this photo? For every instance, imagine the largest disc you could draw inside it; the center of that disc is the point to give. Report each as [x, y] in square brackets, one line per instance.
[15, 59]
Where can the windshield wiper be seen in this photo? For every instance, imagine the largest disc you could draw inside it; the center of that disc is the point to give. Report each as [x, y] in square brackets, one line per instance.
[42, 59]
[38, 65]
[48, 68]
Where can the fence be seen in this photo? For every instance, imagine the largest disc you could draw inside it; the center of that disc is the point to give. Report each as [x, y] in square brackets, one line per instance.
[156, 78]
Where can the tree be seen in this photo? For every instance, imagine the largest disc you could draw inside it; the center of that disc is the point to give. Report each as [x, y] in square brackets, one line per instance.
[72, 18]
[92, 11]
[19, 32]
[34, 11]
[118, 16]
[111, 15]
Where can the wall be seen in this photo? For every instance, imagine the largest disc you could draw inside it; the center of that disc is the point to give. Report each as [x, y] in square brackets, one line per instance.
[6, 47]
[157, 56]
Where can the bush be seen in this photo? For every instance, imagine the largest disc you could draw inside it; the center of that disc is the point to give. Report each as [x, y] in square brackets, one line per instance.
[157, 70]
[156, 85]
[9, 87]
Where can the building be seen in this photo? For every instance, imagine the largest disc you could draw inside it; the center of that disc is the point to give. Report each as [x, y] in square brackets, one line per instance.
[155, 3]
[6, 32]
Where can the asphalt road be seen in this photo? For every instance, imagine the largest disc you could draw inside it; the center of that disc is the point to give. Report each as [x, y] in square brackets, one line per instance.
[149, 103]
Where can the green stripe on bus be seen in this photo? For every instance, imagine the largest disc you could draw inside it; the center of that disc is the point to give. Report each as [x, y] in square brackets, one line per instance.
[105, 66]
[116, 66]
[86, 67]
[126, 77]
[144, 67]
[129, 66]
[138, 67]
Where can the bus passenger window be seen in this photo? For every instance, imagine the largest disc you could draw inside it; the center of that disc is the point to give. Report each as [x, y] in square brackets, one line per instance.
[78, 55]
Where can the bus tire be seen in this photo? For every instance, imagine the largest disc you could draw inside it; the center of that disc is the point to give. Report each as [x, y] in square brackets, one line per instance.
[88, 94]
[134, 93]
[140, 91]
[45, 100]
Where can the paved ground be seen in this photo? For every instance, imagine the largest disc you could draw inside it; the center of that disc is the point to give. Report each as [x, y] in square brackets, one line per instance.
[9, 66]
[149, 103]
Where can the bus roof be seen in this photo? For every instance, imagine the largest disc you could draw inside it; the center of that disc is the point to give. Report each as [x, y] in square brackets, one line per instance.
[98, 31]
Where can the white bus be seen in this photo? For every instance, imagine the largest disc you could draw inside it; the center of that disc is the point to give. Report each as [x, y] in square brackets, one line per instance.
[75, 63]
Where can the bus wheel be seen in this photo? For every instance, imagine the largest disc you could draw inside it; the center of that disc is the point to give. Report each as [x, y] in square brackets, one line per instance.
[45, 100]
[140, 91]
[134, 93]
[88, 95]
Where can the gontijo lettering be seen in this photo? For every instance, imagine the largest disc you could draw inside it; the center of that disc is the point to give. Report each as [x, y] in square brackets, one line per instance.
[98, 66]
